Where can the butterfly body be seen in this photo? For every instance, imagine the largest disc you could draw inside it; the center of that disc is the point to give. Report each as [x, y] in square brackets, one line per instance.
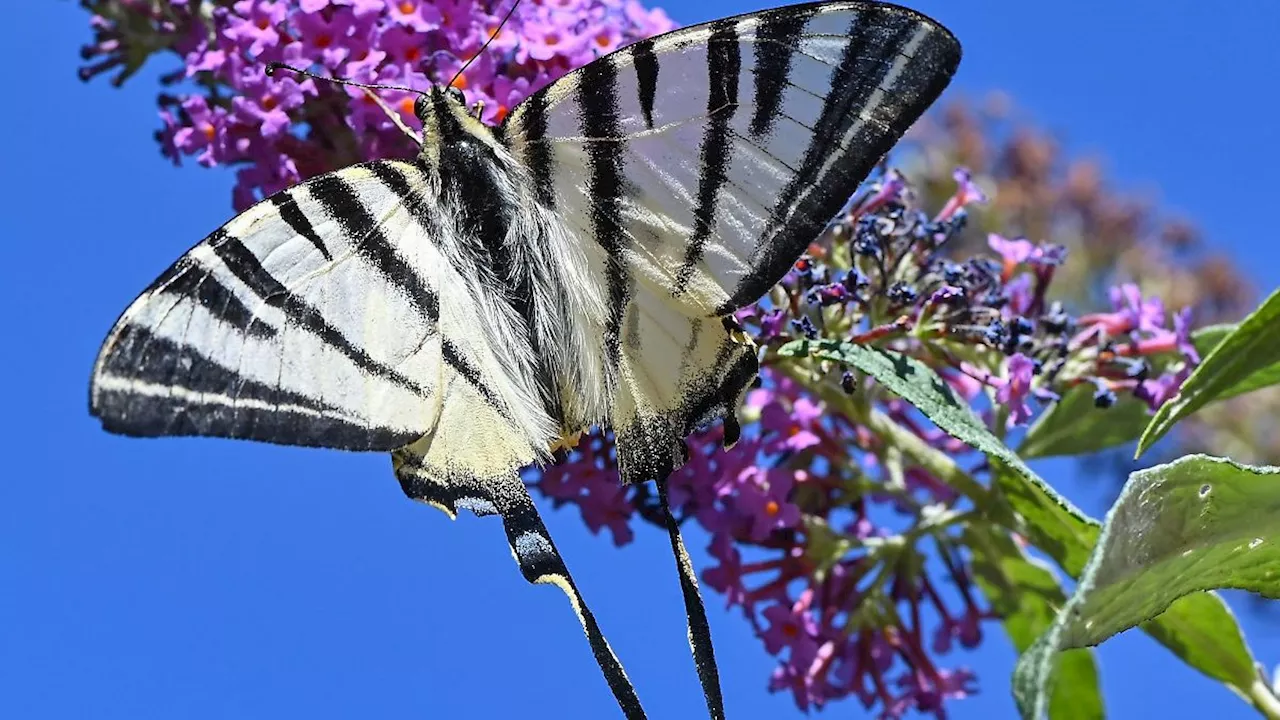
[473, 307]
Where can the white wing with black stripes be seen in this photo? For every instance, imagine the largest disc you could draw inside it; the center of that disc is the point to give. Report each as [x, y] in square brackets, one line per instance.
[716, 153]
[310, 319]
[694, 168]
[699, 164]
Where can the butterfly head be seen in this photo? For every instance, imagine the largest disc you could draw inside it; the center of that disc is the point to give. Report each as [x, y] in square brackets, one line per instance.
[445, 117]
[427, 103]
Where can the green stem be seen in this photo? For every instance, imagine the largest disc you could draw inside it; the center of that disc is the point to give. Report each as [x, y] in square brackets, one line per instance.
[931, 459]
[1264, 699]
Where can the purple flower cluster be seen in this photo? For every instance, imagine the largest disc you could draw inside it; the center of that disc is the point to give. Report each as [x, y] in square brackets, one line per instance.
[815, 523]
[278, 129]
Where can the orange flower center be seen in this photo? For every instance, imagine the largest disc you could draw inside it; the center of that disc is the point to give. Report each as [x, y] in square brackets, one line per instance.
[501, 113]
[263, 24]
[208, 131]
[602, 40]
[790, 630]
[552, 39]
[269, 103]
[406, 7]
[406, 106]
[772, 508]
[412, 54]
[459, 82]
[324, 41]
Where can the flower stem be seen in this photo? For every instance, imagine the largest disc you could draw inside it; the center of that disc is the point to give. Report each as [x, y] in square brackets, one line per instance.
[1264, 699]
[931, 459]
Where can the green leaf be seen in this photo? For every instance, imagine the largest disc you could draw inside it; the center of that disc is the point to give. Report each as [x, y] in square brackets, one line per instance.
[1075, 426]
[919, 385]
[1211, 336]
[1027, 596]
[1200, 629]
[1207, 338]
[1194, 524]
[1066, 534]
[1252, 349]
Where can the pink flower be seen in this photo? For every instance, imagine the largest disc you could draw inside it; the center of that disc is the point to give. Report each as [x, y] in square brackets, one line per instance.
[255, 25]
[790, 627]
[967, 193]
[417, 15]
[1013, 389]
[761, 498]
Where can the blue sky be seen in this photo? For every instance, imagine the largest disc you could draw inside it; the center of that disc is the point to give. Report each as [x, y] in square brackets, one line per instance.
[207, 579]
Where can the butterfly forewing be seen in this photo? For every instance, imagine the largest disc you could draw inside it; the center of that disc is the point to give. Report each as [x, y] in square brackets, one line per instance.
[695, 167]
[734, 142]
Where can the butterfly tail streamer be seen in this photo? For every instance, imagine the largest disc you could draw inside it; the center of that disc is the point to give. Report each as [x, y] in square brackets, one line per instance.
[539, 560]
[704, 656]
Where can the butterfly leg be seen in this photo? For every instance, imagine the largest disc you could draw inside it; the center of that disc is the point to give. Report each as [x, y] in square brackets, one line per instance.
[539, 560]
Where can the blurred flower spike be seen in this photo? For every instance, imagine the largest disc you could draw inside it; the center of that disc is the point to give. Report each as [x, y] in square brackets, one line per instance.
[848, 560]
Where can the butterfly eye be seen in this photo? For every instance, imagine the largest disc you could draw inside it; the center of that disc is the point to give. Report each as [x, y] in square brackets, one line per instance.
[456, 95]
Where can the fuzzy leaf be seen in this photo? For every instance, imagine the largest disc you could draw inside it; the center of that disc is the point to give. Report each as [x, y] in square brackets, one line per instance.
[1194, 524]
[1249, 356]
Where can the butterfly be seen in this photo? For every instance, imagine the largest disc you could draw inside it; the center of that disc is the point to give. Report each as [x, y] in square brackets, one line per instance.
[472, 309]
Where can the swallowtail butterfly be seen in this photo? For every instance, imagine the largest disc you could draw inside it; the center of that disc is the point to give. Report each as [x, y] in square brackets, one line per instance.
[471, 309]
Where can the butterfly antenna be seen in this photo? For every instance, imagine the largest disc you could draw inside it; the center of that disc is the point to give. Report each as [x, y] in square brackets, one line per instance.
[479, 52]
[368, 90]
[272, 67]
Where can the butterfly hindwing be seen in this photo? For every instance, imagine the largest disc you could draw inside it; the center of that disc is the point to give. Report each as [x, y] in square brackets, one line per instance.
[309, 319]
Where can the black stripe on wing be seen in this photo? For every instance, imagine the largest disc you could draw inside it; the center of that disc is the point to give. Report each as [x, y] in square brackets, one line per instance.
[724, 63]
[646, 64]
[539, 156]
[775, 46]
[837, 158]
[218, 300]
[137, 393]
[298, 221]
[245, 265]
[598, 98]
[342, 203]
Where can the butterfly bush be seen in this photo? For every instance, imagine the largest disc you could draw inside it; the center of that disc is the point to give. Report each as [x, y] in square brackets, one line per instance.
[847, 557]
